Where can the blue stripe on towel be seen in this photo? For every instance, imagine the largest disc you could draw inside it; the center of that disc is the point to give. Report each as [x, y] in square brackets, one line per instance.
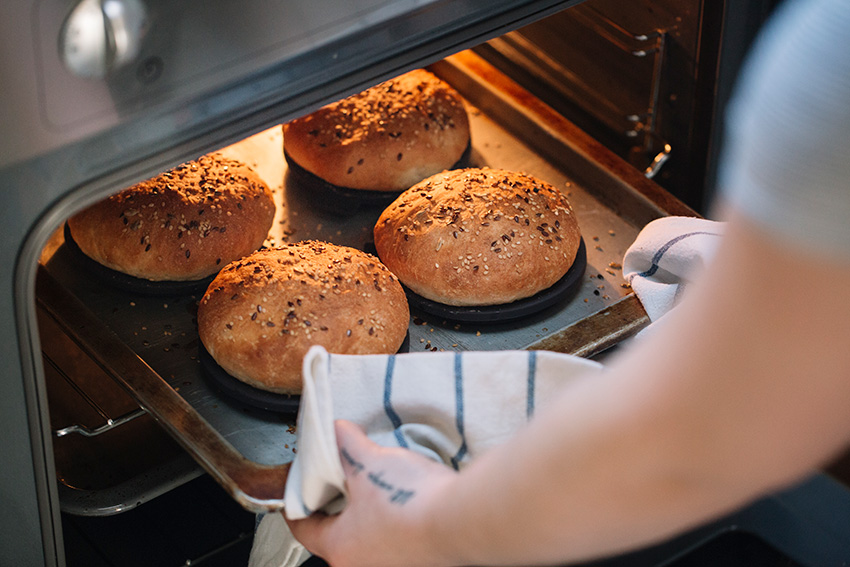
[461, 453]
[669, 244]
[532, 375]
[388, 408]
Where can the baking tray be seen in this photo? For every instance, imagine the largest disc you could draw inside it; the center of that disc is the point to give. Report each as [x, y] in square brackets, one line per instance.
[149, 344]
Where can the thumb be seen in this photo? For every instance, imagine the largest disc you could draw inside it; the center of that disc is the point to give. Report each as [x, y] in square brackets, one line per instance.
[352, 443]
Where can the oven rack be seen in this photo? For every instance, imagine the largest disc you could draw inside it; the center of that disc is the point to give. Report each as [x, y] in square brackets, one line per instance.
[94, 421]
[149, 344]
[108, 422]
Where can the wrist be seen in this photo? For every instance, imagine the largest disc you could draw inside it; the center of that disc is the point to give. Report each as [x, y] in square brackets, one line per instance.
[440, 522]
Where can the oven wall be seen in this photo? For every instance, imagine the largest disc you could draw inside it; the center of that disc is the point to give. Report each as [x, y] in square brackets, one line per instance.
[640, 76]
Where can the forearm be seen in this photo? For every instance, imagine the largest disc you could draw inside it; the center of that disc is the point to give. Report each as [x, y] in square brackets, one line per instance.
[590, 477]
[702, 417]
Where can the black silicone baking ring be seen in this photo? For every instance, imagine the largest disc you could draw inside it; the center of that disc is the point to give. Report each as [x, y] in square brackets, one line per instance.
[129, 283]
[345, 200]
[558, 292]
[238, 391]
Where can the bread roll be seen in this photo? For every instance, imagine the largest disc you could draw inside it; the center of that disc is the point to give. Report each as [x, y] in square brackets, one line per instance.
[477, 237]
[385, 138]
[182, 225]
[261, 314]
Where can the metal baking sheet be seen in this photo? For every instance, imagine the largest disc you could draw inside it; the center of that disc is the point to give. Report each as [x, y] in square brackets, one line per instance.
[150, 343]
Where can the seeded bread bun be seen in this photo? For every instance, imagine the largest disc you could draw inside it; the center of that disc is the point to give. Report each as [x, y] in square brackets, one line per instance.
[185, 224]
[385, 138]
[261, 314]
[477, 237]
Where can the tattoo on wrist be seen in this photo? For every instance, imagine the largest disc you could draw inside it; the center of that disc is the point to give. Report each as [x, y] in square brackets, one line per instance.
[397, 495]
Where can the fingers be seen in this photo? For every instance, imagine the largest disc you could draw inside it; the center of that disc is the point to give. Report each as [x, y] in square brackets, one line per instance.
[310, 529]
[388, 489]
[315, 530]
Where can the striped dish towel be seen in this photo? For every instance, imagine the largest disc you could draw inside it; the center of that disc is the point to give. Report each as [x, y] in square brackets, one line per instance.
[669, 253]
[448, 406]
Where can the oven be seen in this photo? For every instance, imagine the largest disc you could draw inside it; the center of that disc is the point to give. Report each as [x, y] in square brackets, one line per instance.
[116, 448]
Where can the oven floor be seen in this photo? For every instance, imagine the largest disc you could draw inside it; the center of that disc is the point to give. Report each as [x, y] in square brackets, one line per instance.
[195, 524]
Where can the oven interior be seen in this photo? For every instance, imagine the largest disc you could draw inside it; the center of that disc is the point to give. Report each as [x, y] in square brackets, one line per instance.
[617, 106]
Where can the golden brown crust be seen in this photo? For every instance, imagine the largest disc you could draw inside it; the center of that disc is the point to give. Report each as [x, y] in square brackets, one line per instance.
[478, 237]
[182, 225]
[385, 138]
[261, 314]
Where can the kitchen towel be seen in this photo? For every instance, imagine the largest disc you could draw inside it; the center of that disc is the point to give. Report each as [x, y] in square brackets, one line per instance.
[666, 256]
[448, 406]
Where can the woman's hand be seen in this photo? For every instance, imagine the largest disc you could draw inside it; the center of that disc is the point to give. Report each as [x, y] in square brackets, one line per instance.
[391, 496]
